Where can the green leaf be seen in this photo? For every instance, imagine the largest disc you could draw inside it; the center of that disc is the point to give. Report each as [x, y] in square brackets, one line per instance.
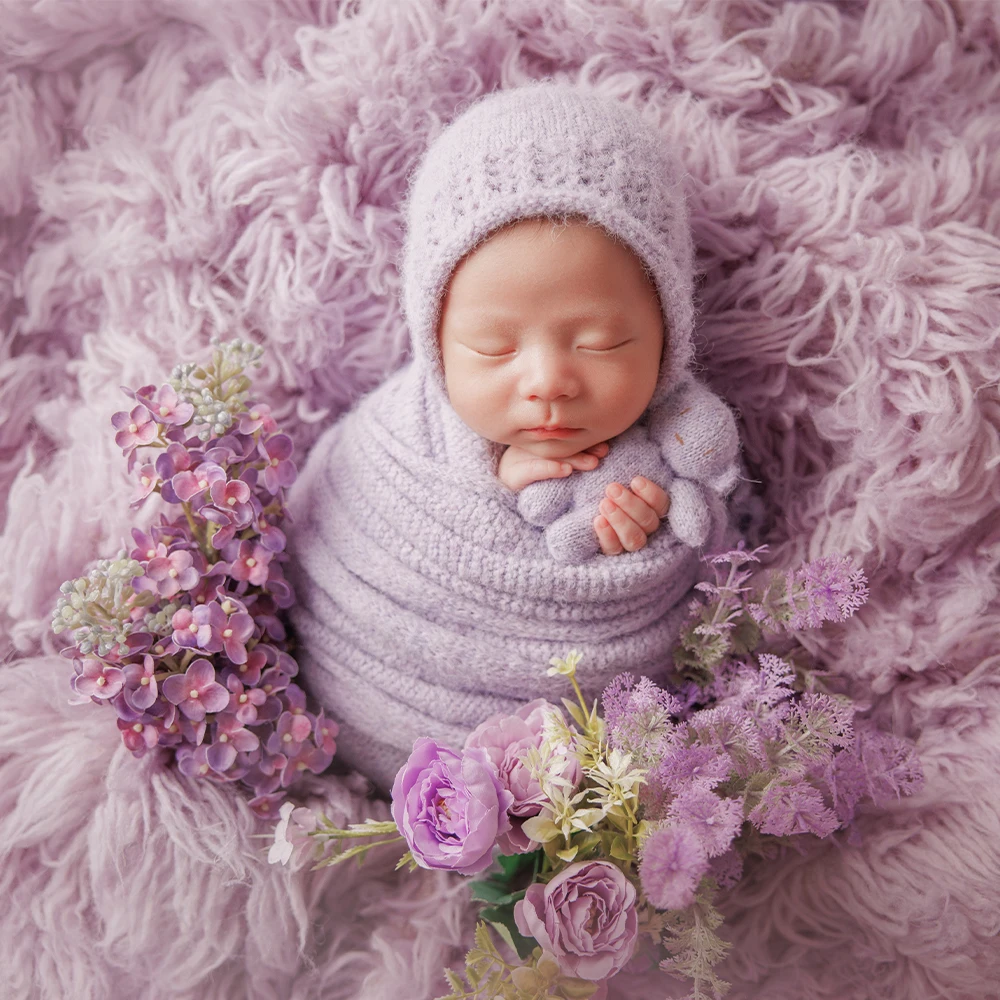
[574, 710]
[619, 849]
[483, 941]
[457, 987]
[512, 864]
[488, 892]
[495, 893]
[745, 636]
[503, 921]
[577, 989]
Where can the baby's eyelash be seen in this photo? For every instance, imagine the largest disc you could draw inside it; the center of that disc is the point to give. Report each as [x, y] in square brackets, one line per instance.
[592, 350]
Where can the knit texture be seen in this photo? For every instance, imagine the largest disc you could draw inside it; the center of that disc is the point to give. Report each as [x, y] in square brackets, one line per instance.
[548, 149]
[689, 447]
[429, 598]
[428, 603]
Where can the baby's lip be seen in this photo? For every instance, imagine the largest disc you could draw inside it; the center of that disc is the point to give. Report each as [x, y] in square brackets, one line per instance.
[556, 430]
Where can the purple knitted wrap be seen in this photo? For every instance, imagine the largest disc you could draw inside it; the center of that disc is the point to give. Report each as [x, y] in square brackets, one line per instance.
[431, 596]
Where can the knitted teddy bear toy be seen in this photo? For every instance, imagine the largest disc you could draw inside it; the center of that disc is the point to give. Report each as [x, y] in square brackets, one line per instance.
[689, 449]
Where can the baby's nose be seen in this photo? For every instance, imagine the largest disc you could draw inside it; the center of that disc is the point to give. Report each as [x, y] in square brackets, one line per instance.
[549, 378]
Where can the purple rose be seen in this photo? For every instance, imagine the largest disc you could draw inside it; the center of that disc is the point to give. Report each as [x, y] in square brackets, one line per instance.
[505, 738]
[450, 808]
[585, 917]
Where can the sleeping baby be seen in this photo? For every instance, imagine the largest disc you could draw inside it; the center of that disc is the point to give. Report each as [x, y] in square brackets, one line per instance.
[498, 500]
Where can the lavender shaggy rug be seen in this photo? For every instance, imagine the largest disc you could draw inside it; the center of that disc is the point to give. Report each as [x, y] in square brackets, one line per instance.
[175, 169]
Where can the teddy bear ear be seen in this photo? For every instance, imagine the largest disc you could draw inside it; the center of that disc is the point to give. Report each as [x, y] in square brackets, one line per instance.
[697, 433]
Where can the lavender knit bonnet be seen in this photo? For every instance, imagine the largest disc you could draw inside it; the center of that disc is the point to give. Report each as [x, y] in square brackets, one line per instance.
[548, 149]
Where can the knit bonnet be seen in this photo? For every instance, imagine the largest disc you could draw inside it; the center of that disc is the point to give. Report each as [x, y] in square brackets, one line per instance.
[549, 149]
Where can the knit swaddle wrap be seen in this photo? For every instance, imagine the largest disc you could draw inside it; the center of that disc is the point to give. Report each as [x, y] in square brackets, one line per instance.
[427, 601]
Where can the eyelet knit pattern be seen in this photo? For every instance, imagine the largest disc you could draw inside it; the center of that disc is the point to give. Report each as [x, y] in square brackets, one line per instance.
[548, 149]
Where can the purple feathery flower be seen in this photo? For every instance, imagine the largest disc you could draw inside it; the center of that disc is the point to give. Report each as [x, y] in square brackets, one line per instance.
[714, 820]
[878, 765]
[829, 589]
[832, 589]
[695, 765]
[727, 869]
[638, 716]
[733, 731]
[672, 864]
[793, 806]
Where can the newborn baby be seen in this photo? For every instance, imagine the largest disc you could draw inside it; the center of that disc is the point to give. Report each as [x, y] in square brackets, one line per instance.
[450, 535]
[559, 324]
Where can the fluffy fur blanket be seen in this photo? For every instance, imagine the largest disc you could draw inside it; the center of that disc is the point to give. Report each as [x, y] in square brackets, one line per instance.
[174, 169]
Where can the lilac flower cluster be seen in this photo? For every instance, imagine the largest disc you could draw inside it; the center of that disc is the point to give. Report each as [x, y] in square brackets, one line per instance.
[183, 635]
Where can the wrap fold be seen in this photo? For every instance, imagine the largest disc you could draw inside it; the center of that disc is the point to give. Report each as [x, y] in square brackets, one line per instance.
[427, 603]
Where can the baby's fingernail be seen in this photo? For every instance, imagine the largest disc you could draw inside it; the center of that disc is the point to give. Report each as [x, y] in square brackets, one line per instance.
[638, 483]
[565, 468]
[614, 490]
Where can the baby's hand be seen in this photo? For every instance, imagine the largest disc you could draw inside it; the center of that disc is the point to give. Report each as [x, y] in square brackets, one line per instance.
[518, 467]
[628, 518]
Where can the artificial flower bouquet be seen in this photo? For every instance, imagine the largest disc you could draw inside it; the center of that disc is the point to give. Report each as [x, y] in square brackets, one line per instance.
[602, 840]
[182, 635]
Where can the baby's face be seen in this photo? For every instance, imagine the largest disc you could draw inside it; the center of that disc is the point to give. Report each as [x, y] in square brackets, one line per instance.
[550, 324]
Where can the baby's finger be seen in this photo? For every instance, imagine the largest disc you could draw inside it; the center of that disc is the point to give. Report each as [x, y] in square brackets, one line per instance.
[600, 449]
[537, 469]
[635, 507]
[584, 461]
[630, 534]
[607, 538]
[654, 495]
